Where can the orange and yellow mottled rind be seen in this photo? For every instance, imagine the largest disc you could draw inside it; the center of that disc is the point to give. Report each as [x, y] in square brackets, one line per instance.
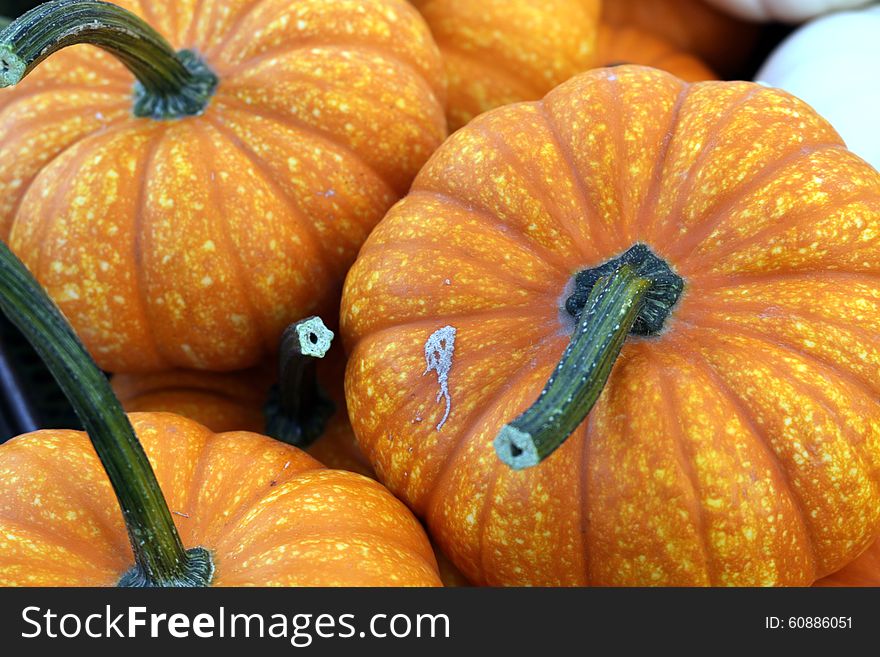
[269, 513]
[626, 44]
[739, 447]
[498, 52]
[192, 243]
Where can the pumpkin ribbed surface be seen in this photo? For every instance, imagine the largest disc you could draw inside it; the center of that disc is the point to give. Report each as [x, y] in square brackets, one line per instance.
[192, 243]
[739, 446]
[270, 514]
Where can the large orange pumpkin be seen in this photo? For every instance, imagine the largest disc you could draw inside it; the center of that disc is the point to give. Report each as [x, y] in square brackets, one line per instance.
[693, 26]
[631, 45]
[505, 51]
[235, 401]
[737, 440]
[193, 242]
[864, 571]
[250, 510]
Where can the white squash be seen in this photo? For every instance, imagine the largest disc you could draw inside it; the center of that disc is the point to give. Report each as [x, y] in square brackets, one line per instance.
[789, 11]
[833, 64]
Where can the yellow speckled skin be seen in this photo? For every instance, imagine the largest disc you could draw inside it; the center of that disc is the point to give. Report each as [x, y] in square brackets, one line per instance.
[864, 571]
[631, 45]
[233, 401]
[270, 514]
[694, 26]
[739, 447]
[505, 51]
[193, 243]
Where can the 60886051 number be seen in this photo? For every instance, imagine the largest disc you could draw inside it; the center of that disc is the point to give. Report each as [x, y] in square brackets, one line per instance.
[808, 622]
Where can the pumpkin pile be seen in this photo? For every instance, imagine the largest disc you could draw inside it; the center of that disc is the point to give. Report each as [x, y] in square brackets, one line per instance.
[608, 310]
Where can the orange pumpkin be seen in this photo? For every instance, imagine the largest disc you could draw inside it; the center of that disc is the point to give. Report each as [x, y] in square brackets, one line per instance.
[505, 51]
[234, 401]
[864, 571]
[630, 45]
[251, 510]
[192, 243]
[693, 26]
[737, 440]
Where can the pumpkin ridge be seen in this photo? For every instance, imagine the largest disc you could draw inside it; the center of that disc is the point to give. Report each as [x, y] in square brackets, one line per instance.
[647, 214]
[579, 186]
[410, 246]
[848, 434]
[789, 222]
[420, 77]
[685, 189]
[685, 459]
[51, 218]
[189, 37]
[747, 417]
[302, 216]
[697, 234]
[487, 406]
[111, 535]
[151, 151]
[810, 390]
[491, 221]
[500, 68]
[328, 533]
[224, 235]
[751, 309]
[378, 330]
[67, 544]
[30, 183]
[283, 477]
[233, 29]
[232, 103]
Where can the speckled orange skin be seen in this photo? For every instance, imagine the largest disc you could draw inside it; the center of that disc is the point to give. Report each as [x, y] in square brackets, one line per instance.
[630, 45]
[270, 514]
[741, 446]
[193, 243]
[694, 26]
[864, 571]
[505, 51]
[233, 401]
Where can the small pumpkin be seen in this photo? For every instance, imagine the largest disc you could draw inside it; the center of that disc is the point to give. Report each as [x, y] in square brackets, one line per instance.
[703, 260]
[254, 511]
[631, 45]
[792, 11]
[864, 571]
[723, 42]
[235, 401]
[504, 51]
[827, 63]
[192, 242]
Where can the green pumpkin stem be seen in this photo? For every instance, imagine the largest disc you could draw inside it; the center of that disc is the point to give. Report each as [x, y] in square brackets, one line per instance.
[160, 558]
[169, 85]
[611, 310]
[298, 409]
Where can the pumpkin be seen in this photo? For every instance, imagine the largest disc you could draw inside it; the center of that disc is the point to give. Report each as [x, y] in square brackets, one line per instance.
[864, 571]
[234, 401]
[725, 43]
[704, 260]
[504, 51]
[630, 45]
[827, 63]
[191, 243]
[784, 10]
[254, 511]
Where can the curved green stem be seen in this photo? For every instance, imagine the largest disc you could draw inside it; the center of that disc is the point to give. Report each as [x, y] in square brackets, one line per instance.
[298, 409]
[160, 558]
[610, 312]
[170, 85]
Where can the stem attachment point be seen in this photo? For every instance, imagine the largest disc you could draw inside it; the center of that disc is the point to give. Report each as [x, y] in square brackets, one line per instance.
[632, 294]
